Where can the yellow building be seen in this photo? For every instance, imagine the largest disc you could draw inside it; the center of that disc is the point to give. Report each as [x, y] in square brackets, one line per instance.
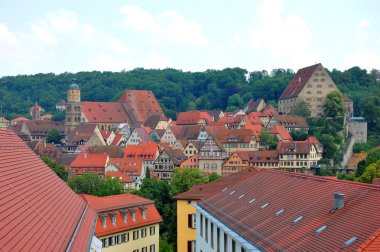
[186, 226]
[126, 222]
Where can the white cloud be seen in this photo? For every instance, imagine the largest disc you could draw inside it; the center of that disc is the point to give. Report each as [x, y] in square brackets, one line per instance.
[106, 62]
[117, 45]
[367, 59]
[168, 26]
[156, 61]
[364, 23]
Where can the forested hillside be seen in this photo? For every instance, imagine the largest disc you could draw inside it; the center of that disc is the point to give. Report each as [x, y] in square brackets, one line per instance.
[176, 90]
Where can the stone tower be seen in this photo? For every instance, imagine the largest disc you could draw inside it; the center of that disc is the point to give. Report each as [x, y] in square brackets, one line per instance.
[73, 108]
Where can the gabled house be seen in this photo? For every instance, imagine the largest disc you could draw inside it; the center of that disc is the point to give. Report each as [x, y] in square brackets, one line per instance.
[192, 148]
[268, 159]
[139, 135]
[191, 162]
[311, 85]
[237, 140]
[255, 106]
[124, 128]
[167, 161]
[298, 156]
[84, 134]
[289, 122]
[123, 178]
[119, 140]
[133, 167]
[238, 161]
[180, 144]
[86, 163]
[108, 136]
[171, 135]
[37, 130]
[215, 114]
[126, 222]
[234, 122]
[281, 133]
[147, 152]
[158, 122]
[189, 132]
[212, 155]
[193, 118]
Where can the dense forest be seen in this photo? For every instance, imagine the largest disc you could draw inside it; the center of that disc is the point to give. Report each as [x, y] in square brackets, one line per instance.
[176, 90]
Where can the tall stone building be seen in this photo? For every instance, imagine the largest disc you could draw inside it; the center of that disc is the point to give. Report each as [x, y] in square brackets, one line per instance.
[310, 84]
[73, 108]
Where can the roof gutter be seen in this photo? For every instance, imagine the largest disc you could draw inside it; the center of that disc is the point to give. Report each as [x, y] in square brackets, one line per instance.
[76, 229]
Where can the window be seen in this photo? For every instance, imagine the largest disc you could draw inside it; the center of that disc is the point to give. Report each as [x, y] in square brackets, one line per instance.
[217, 239]
[206, 229]
[134, 216]
[191, 246]
[113, 217]
[111, 241]
[135, 250]
[206, 166]
[319, 92]
[308, 92]
[225, 242]
[105, 242]
[124, 214]
[125, 237]
[212, 235]
[201, 216]
[315, 80]
[152, 230]
[118, 239]
[213, 166]
[233, 245]
[144, 249]
[144, 213]
[191, 221]
[143, 232]
[152, 248]
[104, 221]
[135, 235]
[319, 86]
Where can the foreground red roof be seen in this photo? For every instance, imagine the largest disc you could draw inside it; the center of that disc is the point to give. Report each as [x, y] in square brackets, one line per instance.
[38, 211]
[117, 204]
[146, 151]
[252, 207]
[281, 131]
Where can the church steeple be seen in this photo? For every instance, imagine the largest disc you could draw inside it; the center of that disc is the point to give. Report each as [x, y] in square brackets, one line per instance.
[35, 112]
[73, 108]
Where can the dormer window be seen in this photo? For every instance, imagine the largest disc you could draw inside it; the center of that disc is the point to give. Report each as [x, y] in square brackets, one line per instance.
[144, 213]
[103, 218]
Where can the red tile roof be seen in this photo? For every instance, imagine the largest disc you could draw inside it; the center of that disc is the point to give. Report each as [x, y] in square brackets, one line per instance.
[282, 132]
[309, 196]
[38, 211]
[141, 104]
[46, 116]
[122, 177]
[106, 133]
[116, 204]
[193, 117]
[117, 139]
[85, 160]
[146, 151]
[193, 161]
[295, 147]
[291, 121]
[298, 82]
[20, 119]
[130, 166]
[105, 112]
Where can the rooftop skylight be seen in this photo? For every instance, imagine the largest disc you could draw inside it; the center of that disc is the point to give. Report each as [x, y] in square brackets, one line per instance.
[265, 205]
[241, 196]
[321, 229]
[298, 219]
[232, 192]
[251, 201]
[280, 212]
[349, 242]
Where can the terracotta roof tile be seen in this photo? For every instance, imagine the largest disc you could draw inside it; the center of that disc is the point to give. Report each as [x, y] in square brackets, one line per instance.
[130, 166]
[38, 211]
[146, 151]
[193, 117]
[291, 121]
[282, 132]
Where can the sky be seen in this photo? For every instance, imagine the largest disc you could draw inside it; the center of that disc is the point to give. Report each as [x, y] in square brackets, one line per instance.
[43, 36]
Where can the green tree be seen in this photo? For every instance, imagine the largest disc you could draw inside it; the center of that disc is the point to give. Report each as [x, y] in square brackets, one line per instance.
[372, 171]
[184, 178]
[371, 111]
[235, 102]
[59, 169]
[85, 184]
[214, 176]
[334, 105]
[58, 116]
[301, 108]
[53, 136]
[298, 135]
[93, 184]
[268, 140]
[372, 157]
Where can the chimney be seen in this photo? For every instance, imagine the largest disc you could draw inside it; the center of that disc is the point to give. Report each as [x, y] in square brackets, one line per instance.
[338, 200]
[85, 155]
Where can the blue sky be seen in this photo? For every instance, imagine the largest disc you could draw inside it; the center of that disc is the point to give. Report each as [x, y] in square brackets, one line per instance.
[44, 36]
